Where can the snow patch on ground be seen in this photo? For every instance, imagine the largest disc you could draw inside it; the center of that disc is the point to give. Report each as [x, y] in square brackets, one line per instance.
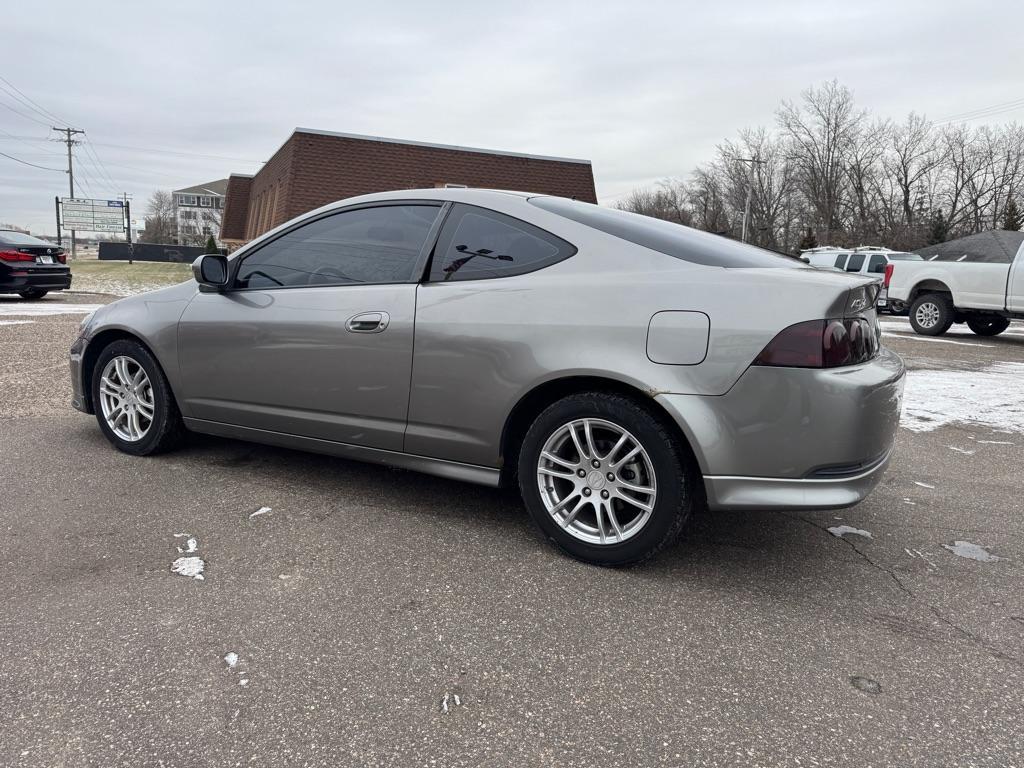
[923, 485]
[931, 339]
[13, 309]
[189, 566]
[971, 551]
[449, 700]
[839, 530]
[190, 546]
[964, 451]
[260, 511]
[16, 322]
[992, 396]
[231, 659]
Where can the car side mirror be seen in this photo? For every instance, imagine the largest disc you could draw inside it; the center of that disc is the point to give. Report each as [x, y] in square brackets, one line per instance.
[211, 271]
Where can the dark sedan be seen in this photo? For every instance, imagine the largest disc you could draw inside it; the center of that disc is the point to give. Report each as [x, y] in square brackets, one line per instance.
[31, 267]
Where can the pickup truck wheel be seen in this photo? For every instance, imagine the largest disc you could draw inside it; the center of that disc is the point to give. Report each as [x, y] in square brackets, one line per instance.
[931, 314]
[988, 325]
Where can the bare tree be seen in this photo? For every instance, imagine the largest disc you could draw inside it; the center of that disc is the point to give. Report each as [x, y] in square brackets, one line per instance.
[160, 222]
[668, 200]
[831, 167]
[821, 131]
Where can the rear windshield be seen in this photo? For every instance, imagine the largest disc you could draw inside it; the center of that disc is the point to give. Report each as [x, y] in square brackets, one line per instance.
[905, 257]
[17, 238]
[675, 240]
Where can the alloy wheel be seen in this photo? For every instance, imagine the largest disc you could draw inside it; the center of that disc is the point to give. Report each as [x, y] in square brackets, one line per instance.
[927, 314]
[126, 399]
[596, 481]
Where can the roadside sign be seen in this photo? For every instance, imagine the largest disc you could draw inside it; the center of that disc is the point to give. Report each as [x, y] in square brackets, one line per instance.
[87, 215]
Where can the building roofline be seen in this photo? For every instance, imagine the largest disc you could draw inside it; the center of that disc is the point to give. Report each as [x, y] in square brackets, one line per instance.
[199, 189]
[450, 147]
[242, 175]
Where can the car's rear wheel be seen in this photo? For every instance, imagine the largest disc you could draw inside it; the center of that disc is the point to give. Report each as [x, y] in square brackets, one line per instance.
[133, 401]
[932, 314]
[33, 293]
[988, 325]
[604, 479]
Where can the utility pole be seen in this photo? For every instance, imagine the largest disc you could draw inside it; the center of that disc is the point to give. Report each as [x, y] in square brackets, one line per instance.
[68, 134]
[750, 191]
[125, 197]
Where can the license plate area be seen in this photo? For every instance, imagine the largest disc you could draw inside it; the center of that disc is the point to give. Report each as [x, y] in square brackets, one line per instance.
[45, 259]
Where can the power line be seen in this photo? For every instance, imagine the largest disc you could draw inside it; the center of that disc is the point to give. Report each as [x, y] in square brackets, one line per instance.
[176, 152]
[92, 172]
[33, 105]
[27, 143]
[25, 162]
[99, 163]
[23, 114]
[989, 111]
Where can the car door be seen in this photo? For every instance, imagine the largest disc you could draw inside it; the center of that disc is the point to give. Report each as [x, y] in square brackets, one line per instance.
[314, 335]
[473, 331]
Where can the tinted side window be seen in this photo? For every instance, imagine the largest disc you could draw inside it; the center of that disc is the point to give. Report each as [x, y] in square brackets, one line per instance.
[855, 263]
[840, 260]
[477, 244]
[365, 245]
[877, 264]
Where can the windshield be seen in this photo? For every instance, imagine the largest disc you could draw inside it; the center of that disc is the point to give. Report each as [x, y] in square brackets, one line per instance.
[674, 240]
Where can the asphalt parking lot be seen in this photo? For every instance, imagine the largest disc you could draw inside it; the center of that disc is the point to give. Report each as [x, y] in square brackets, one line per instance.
[380, 617]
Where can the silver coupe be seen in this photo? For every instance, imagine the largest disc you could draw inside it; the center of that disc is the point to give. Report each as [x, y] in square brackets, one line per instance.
[620, 370]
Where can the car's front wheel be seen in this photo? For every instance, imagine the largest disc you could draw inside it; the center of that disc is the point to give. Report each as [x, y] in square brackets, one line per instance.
[604, 479]
[133, 401]
[33, 293]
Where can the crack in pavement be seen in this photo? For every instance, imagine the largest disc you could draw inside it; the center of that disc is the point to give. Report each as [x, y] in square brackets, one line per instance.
[962, 631]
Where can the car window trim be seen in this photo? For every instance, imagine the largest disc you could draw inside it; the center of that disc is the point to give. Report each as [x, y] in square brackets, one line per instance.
[422, 257]
[429, 277]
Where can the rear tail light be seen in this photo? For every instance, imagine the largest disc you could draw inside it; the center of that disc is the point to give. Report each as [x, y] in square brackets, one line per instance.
[16, 256]
[888, 274]
[822, 344]
[61, 257]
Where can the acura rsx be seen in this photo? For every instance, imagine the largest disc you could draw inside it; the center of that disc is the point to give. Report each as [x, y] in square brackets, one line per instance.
[620, 370]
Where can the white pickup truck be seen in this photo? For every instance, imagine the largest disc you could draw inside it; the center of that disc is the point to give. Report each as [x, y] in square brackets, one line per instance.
[986, 296]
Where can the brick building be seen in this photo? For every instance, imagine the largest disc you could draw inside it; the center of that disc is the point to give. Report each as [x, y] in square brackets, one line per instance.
[314, 168]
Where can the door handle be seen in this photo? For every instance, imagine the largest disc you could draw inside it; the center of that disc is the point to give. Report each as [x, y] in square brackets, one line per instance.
[368, 322]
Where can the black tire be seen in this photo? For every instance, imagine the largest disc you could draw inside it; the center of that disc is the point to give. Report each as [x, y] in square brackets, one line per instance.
[166, 431]
[675, 476]
[988, 325]
[931, 314]
[33, 293]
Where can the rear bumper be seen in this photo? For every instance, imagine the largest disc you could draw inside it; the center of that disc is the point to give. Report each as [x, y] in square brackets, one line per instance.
[12, 282]
[744, 493]
[795, 438]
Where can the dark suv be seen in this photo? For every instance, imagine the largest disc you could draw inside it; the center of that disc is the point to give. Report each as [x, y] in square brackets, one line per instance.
[31, 267]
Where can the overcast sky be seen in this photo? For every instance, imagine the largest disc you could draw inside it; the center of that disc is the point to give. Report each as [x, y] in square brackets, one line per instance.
[643, 89]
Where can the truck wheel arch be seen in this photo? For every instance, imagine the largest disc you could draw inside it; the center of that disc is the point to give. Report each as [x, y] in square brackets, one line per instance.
[927, 286]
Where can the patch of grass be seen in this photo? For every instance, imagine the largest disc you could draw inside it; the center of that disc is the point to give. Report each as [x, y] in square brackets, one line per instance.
[120, 278]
